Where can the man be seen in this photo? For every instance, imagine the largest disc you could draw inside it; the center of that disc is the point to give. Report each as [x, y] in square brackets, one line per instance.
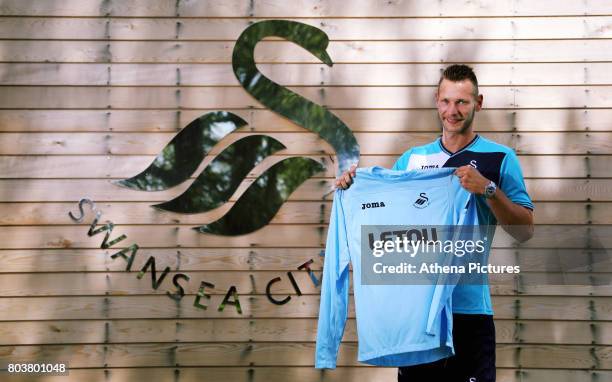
[492, 172]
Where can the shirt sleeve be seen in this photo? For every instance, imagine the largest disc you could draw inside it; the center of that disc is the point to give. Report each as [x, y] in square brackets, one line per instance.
[401, 164]
[512, 182]
[333, 310]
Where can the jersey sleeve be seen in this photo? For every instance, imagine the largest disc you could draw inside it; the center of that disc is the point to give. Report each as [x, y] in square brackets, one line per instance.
[401, 163]
[512, 182]
[333, 310]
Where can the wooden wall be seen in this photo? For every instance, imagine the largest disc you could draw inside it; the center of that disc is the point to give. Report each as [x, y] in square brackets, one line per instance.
[91, 90]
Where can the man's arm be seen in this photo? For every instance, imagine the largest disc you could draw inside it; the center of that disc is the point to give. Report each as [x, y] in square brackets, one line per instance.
[514, 218]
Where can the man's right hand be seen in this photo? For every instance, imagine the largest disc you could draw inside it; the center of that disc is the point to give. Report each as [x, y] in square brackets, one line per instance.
[345, 180]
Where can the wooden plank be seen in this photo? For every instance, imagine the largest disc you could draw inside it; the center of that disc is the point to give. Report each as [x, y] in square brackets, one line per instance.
[271, 259]
[302, 8]
[278, 235]
[126, 283]
[192, 259]
[558, 375]
[548, 356]
[299, 373]
[161, 236]
[337, 29]
[274, 353]
[291, 212]
[489, 120]
[333, 97]
[554, 260]
[215, 374]
[553, 332]
[256, 282]
[274, 330]
[470, 51]
[304, 143]
[560, 236]
[257, 306]
[117, 167]
[497, 74]
[101, 190]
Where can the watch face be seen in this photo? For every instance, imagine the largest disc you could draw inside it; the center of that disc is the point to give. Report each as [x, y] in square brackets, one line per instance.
[490, 189]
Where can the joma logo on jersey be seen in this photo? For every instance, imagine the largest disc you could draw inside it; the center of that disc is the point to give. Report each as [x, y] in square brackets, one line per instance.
[429, 166]
[372, 205]
[422, 201]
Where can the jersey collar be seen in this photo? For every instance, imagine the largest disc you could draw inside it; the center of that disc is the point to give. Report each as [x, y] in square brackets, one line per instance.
[471, 143]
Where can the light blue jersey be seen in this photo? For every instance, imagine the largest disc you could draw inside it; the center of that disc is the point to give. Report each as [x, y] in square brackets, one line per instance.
[397, 325]
[495, 162]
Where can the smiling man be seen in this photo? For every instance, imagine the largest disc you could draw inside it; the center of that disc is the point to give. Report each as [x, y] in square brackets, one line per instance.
[492, 172]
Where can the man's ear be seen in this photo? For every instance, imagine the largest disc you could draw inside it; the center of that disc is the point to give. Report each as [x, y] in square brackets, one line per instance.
[479, 100]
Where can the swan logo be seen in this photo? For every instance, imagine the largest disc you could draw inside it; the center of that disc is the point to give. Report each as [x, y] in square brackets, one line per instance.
[422, 201]
[221, 178]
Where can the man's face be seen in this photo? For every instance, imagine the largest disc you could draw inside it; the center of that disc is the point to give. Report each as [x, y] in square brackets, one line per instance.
[456, 105]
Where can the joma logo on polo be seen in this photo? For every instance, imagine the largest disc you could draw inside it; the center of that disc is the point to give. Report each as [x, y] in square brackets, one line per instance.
[372, 205]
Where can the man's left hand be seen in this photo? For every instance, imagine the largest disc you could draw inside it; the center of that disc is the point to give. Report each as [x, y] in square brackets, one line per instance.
[471, 179]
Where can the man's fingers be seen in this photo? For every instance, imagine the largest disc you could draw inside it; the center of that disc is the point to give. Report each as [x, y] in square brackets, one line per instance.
[341, 182]
[345, 180]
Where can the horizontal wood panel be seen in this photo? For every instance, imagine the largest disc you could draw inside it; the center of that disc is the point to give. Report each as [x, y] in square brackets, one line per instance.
[234, 374]
[305, 143]
[276, 330]
[272, 259]
[66, 260]
[263, 120]
[291, 212]
[252, 283]
[101, 190]
[295, 235]
[299, 373]
[275, 353]
[299, 74]
[161, 236]
[337, 29]
[280, 51]
[129, 143]
[301, 8]
[119, 167]
[305, 306]
[333, 97]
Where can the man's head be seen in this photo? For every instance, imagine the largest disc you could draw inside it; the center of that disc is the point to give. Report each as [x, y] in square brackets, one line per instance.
[457, 98]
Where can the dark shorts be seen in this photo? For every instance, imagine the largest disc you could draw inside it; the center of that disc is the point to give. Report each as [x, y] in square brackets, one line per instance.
[474, 359]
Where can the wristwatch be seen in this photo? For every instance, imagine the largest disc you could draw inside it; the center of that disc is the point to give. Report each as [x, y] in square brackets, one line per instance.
[490, 190]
